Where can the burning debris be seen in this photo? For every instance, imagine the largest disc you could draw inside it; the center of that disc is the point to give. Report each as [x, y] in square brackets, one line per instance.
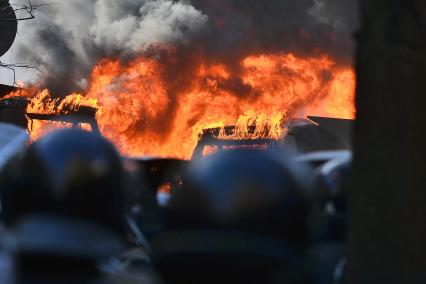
[249, 127]
[43, 103]
[158, 85]
[42, 110]
[300, 135]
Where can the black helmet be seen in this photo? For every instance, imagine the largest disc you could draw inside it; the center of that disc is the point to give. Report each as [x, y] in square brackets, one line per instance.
[70, 173]
[13, 141]
[8, 258]
[246, 190]
[329, 190]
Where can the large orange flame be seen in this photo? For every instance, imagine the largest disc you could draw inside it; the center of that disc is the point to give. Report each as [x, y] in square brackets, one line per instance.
[139, 114]
[43, 103]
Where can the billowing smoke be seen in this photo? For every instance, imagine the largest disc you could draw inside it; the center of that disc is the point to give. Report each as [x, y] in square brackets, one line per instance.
[134, 25]
[299, 26]
[69, 37]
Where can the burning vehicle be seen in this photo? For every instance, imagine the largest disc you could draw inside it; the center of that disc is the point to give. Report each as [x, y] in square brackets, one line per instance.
[26, 112]
[40, 113]
[158, 90]
[301, 135]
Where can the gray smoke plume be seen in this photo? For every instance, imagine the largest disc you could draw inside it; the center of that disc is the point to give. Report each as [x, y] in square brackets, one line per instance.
[70, 37]
[303, 27]
[133, 25]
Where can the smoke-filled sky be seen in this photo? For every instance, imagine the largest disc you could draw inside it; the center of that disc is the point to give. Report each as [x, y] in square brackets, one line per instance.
[69, 37]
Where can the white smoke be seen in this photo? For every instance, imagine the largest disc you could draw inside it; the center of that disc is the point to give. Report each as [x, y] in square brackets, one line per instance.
[66, 38]
[161, 21]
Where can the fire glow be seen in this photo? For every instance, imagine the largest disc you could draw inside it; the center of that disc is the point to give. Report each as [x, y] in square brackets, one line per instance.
[140, 115]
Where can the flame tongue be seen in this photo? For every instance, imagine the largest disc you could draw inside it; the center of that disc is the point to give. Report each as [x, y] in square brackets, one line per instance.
[145, 112]
[250, 126]
[43, 103]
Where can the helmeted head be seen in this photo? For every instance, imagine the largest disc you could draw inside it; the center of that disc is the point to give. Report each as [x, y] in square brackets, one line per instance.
[69, 173]
[246, 190]
[329, 193]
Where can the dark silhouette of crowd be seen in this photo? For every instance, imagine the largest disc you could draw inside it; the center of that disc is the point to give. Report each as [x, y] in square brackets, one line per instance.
[74, 211]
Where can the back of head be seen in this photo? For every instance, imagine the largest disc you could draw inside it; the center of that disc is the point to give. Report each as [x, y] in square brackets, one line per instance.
[71, 173]
[329, 192]
[244, 190]
[240, 217]
[69, 187]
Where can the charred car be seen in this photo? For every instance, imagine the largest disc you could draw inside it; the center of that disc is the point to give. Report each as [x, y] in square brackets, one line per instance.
[13, 110]
[302, 135]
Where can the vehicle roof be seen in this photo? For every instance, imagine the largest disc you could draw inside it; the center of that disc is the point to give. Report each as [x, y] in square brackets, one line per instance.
[304, 136]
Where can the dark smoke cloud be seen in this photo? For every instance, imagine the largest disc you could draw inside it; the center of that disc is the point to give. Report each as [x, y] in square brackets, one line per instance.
[70, 37]
[74, 35]
[238, 28]
[307, 27]
[61, 65]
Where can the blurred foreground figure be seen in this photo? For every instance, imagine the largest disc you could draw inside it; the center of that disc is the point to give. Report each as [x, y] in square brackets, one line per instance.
[239, 218]
[329, 220]
[330, 187]
[12, 142]
[65, 209]
[8, 264]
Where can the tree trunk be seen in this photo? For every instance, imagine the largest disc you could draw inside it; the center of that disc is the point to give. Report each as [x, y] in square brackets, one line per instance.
[387, 235]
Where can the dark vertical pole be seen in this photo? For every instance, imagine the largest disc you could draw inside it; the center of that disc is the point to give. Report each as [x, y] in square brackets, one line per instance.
[387, 236]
